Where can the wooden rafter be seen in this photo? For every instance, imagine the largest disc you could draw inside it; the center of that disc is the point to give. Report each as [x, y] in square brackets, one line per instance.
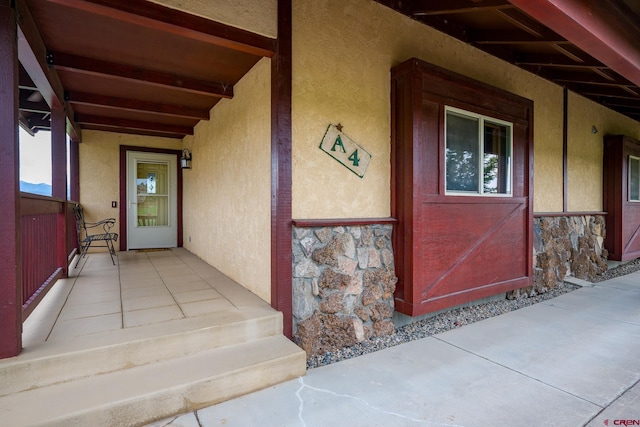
[116, 123]
[32, 55]
[455, 6]
[111, 102]
[153, 15]
[95, 67]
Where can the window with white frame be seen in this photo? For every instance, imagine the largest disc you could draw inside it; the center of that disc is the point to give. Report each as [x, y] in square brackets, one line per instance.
[634, 179]
[478, 154]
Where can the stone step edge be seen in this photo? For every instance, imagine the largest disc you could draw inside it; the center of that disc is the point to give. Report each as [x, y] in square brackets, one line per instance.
[62, 367]
[145, 394]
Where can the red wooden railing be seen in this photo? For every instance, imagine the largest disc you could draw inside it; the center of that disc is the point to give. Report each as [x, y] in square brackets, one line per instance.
[48, 237]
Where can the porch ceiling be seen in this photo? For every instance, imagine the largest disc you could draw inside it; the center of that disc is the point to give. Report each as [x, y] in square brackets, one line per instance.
[588, 46]
[128, 66]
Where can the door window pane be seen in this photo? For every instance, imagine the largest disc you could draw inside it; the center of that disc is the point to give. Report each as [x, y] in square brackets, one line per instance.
[152, 183]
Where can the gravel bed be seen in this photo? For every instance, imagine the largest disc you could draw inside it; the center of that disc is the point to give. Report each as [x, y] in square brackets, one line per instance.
[456, 318]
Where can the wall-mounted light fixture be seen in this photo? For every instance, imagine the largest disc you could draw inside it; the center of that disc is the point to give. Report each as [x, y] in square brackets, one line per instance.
[185, 160]
[594, 129]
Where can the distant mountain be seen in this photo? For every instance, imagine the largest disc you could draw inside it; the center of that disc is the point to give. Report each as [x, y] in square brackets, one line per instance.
[42, 189]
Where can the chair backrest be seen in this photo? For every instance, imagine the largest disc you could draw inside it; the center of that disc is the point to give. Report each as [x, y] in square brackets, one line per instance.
[81, 227]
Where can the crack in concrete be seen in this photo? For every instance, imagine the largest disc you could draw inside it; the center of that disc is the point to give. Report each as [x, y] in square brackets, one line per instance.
[360, 400]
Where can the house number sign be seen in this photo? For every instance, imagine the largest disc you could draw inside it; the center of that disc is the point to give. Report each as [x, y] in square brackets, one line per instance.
[345, 150]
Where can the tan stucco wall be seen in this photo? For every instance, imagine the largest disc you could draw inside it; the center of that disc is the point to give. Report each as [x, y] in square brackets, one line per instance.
[227, 192]
[100, 168]
[256, 16]
[343, 51]
[585, 149]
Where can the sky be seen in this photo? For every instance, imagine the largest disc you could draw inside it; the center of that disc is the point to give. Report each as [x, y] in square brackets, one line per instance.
[35, 157]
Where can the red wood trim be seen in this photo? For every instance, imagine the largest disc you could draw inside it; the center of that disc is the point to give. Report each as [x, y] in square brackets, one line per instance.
[59, 180]
[133, 131]
[31, 204]
[58, 153]
[554, 214]
[565, 148]
[162, 18]
[135, 125]
[602, 29]
[33, 53]
[281, 246]
[74, 170]
[10, 243]
[34, 300]
[122, 232]
[349, 222]
[111, 102]
[96, 67]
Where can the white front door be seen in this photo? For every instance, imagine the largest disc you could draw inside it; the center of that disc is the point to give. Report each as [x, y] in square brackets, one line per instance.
[152, 214]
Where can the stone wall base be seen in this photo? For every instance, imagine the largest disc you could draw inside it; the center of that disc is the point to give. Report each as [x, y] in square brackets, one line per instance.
[565, 246]
[343, 285]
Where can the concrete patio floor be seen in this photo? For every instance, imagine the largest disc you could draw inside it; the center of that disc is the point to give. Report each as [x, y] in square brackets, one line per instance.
[570, 361]
[143, 288]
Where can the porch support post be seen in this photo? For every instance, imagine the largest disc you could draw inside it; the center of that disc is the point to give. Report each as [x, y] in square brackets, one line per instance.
[281, 269]
[74, 170]
[11, 259]
[59, 179]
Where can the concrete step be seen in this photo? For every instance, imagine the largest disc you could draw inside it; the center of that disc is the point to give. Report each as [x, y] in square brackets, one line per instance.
[56, 362]
[146, 393]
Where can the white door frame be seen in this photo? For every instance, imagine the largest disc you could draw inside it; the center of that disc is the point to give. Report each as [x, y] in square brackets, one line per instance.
[140, 236]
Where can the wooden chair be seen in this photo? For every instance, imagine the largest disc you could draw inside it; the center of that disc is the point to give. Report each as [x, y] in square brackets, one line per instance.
[101, 237]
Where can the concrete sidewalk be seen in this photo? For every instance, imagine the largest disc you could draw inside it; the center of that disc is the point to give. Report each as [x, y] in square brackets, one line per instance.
[570, 361]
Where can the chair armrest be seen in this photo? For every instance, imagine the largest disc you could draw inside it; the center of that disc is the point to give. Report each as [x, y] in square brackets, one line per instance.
[106, 224]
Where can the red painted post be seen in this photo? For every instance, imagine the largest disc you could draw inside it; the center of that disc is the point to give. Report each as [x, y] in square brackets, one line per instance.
[281, 193]
[59, 180]
[11, 259]
[74, 170]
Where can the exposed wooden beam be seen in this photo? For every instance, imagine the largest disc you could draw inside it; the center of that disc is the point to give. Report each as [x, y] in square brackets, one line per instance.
[449, 7]
[605, 91]
[605, 30]
[117, 123]
[159, 17]
[513, 37]
[31, 106]
[111, 102]
[38, 122]
[95, 67]
[32, 53]
[524, 22]
[617, 102]
[557, 61]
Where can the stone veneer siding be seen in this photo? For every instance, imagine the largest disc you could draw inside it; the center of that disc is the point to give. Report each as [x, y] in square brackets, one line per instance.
[343, 284]
[571, 245]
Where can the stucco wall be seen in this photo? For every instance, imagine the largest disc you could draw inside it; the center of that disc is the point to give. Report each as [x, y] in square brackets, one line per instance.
[256, 16]
[227, 201]
[585, 149]
[343, 51]
[100, 168]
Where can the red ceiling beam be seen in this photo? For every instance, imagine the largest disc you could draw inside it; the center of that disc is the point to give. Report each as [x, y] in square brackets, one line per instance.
[162, 18]
[602, 29]
[95, 67]
[111, 102]
[121, 125]
[455, 6]
[32, 53]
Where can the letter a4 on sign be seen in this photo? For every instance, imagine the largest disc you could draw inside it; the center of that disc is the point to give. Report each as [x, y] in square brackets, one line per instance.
[345, 150]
